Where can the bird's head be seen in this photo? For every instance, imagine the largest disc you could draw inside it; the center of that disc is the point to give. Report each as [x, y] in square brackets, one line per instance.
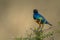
[35, 11]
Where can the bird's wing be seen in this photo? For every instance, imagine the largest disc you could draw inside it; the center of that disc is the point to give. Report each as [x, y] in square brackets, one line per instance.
[40, 17]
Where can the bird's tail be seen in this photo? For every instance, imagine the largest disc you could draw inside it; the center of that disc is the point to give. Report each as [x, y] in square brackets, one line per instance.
[50, 24]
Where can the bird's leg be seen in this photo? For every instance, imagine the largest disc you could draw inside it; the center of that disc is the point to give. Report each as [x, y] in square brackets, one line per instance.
[39, 25]
[42, 26]
[38, 22]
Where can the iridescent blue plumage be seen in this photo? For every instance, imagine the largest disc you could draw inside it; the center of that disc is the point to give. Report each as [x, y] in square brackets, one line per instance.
[39, 17]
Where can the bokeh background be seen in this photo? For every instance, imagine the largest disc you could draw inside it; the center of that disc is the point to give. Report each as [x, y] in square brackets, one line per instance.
[16, 16]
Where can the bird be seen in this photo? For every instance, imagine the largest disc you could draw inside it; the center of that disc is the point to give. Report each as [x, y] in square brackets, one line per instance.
[39, 18]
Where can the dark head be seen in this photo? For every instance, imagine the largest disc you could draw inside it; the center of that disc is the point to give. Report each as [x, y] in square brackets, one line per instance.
[35, 11]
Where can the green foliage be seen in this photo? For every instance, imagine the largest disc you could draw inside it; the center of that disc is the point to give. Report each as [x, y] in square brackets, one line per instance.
[37, 34]
[18, 38]
[59, 23]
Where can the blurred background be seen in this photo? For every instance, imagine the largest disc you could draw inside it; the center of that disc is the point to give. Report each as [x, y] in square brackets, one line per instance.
[16, 16]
